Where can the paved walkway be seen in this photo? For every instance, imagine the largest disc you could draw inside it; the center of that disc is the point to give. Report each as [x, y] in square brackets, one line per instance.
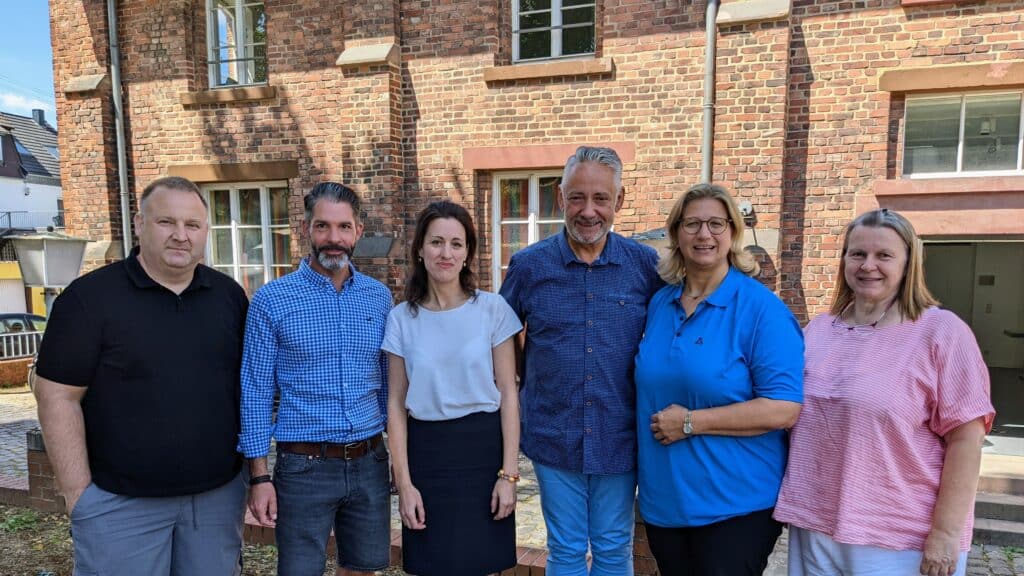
[18, 415]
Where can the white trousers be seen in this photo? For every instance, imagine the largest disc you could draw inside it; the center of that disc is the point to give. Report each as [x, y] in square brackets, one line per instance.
[815, 554]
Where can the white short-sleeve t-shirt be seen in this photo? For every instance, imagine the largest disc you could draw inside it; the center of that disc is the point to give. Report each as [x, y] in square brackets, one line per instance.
[447, 355]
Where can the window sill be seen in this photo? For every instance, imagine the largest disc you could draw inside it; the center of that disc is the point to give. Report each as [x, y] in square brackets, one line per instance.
[941, 186]
[222, 95]
[549, 69]
[953, 76]
[911, 3]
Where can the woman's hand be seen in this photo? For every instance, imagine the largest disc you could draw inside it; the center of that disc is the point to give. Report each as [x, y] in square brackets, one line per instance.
[941, 553]
[667, 425]
[503, 498]
[410, 508]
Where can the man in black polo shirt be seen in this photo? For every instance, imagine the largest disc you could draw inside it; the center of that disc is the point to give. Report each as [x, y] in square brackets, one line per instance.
[138, 391]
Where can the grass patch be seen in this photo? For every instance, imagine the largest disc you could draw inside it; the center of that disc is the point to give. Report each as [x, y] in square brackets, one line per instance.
[20, 521]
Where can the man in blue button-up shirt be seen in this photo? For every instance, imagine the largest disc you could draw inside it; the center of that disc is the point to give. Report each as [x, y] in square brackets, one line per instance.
[583, 295]
[314, 336]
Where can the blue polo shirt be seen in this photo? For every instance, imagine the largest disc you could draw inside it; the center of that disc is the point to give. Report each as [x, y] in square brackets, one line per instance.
[740, 343]
[583, 323]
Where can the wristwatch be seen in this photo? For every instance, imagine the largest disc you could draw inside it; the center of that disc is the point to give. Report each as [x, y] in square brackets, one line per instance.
[688, 423]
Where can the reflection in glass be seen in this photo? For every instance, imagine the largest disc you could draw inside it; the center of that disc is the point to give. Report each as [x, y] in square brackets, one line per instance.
[253, 278]
[548, 201]
[932, 135]
[220, 247]
[515, 198]
[278, 206]
[514, 237]
[578, 40]
[991, 132]
[546, 229]
[252, 245]
[536, 20]
[249, 206]
[578, 16]
[279, 244]
[528, 5]
[535, 45]
[220, 207]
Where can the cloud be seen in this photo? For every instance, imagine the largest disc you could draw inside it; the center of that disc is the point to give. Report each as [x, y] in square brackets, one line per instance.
[17, 104]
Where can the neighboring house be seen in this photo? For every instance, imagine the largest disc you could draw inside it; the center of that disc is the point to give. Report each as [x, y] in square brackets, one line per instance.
[30, 197]
[825, 108]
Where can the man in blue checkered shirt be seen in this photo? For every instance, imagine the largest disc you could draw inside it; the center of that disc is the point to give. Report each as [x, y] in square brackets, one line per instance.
[582, 295]
[314, 337]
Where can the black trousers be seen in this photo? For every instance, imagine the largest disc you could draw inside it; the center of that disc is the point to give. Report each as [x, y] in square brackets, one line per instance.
[738, 546]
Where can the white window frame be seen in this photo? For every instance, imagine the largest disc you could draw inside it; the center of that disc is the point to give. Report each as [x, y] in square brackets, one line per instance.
[265, 225]
[556, 32]
[243, 47]
[960, 173]
[532, 220]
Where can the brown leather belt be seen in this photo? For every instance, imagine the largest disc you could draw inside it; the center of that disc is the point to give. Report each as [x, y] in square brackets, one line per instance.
[331, 450]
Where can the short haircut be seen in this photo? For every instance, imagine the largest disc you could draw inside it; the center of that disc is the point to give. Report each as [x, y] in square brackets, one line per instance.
[914, 296]
[603, 156]
[334, 192]
[672, 267]
[173, 183]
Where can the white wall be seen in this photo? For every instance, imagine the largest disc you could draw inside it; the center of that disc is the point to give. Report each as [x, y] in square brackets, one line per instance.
[40, 202]
[12, 296]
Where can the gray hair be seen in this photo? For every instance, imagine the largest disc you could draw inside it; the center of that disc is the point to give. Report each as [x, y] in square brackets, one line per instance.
[604, 156]
[334, 192]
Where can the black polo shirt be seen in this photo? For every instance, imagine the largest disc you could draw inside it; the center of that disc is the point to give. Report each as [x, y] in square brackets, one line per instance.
[162, 371]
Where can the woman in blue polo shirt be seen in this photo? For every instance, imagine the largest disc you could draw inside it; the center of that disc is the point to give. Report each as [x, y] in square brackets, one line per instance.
[719, 377]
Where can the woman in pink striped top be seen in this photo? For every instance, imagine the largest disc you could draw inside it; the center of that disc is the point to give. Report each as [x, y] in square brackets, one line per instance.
[883, 461]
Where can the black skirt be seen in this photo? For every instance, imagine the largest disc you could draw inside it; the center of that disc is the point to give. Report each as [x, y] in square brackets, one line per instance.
[454, 464]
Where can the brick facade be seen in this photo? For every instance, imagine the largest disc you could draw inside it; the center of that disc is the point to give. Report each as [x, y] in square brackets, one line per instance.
[803, 130]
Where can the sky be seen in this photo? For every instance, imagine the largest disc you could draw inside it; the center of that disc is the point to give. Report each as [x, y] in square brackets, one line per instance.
[26, 59]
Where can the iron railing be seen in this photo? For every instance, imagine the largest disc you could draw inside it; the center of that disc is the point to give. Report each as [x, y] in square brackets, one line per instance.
[19, 344]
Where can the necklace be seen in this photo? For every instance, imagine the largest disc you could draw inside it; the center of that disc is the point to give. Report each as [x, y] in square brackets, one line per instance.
[872, 324]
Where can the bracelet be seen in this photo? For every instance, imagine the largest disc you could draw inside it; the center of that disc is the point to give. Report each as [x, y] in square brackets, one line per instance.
[260, 480]
[513, 478]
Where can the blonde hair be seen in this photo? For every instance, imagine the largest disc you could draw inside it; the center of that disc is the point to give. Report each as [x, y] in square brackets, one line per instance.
[914, 296]
[672, 267]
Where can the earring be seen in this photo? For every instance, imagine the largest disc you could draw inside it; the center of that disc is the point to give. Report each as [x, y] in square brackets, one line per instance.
[419, 258]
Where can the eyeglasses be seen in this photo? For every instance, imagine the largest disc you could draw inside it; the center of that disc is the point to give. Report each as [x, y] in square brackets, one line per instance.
[715, 225]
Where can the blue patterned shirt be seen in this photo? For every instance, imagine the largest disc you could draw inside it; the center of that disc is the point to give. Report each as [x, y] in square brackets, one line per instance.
[583, 324]
[321, 349]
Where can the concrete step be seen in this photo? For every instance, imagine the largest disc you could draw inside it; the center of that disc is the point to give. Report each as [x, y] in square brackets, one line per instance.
[1001, 474]
[999, 507]
[998, 532]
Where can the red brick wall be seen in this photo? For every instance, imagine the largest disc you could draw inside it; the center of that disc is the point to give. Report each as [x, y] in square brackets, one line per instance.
[802, 130]
[14, 372]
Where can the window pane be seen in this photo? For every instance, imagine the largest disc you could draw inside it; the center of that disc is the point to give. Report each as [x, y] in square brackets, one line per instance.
[278, 206]
[578, 40]
[220, 207]
[255, 23]
[538, 20]
[279, 238]
[515, 198]
[527, 5]
[258, 65]
[548, 206]
[991, 132]
[932, 133]
[224, 23]
[38, 325]
[278, 271]
[249, 206]
[545, 229]
[252, 245]
[220, 248]
[535, 45]
[577, 2]
[252, 279]
[514, 237]
[578, 16]
[226, 270]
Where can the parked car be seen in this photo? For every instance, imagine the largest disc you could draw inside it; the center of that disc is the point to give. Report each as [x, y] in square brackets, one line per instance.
[12, 323]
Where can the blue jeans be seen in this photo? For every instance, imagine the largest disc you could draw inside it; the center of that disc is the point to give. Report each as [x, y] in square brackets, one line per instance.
[581, 509]
[317, 494]
[195, 535]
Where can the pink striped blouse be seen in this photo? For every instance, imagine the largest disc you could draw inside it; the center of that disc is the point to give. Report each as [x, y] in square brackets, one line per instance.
[866, 455]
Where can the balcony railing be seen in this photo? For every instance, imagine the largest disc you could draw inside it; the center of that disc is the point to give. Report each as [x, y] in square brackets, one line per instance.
[19, 344]
[31, 219]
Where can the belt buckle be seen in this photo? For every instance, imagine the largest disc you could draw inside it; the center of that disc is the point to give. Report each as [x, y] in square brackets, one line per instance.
[353, 446]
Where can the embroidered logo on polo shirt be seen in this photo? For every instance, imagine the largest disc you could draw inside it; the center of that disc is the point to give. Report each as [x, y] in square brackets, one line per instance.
[700, 341]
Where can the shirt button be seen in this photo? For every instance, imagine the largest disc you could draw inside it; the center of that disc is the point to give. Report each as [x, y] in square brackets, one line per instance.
[622, 302]
[589, 350]
[588, 430]
[589, 269]
[590, 376]
[590, 322]
[589, 403]
[590, 296]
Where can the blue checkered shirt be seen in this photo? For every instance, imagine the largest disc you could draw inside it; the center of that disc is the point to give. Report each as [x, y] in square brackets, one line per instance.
[321, 349]
[583, 325]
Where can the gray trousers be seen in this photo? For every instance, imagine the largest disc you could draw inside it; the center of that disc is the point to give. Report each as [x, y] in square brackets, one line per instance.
[197, 535]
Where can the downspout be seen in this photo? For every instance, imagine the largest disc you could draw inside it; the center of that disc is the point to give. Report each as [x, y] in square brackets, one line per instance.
[708, 146]
[122, 156]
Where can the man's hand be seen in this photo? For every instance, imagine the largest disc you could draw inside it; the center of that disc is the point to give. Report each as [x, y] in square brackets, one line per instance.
[263, 503]
[667, 425]
[71, 497]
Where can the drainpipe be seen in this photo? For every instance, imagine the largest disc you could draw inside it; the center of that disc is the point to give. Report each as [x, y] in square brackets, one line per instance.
[122, 157]
[708, 146]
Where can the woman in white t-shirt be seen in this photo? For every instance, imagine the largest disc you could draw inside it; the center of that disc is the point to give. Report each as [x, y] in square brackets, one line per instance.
[453, 410]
